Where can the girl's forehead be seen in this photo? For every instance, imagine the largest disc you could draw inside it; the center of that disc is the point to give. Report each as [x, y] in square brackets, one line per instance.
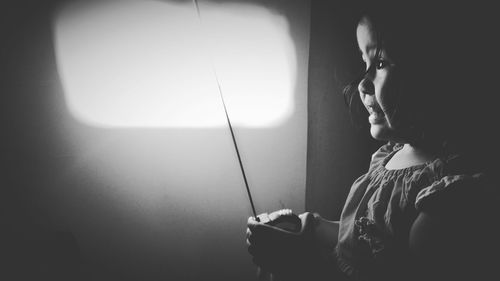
[366, 35]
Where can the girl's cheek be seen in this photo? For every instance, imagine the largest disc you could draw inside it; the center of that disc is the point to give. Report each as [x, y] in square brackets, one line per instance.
[383, 97]
[384, 83]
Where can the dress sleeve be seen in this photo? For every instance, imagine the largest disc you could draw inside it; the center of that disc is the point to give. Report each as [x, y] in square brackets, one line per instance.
[462, 235]
[449, 188]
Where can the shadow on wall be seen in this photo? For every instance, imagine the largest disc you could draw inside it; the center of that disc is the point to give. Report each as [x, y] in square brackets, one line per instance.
[338, 152]
[131, 204]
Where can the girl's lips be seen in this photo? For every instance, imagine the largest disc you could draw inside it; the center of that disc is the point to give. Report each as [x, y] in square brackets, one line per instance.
[373, 108]
[376, 117]
[376, 114]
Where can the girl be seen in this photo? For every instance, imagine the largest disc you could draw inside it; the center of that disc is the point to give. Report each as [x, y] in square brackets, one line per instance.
[423, 209]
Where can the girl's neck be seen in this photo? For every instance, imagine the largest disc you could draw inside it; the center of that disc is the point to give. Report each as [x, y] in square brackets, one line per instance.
[409, 156]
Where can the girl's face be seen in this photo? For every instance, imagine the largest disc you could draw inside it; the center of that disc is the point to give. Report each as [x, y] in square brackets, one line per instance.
[378, 87]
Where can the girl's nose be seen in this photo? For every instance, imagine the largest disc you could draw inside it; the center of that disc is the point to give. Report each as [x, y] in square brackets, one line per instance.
[366, 86]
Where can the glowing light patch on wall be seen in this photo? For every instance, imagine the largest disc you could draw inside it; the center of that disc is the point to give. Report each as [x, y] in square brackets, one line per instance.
[148, 64]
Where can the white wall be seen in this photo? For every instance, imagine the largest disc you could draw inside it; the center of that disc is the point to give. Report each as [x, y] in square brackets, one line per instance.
[143, 204]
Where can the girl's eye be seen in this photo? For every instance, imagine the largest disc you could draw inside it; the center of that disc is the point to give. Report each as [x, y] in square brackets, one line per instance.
[380, 64]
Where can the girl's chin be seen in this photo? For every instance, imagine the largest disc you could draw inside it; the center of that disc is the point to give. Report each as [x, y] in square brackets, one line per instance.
[385, 133]
[376, 119]
[380, 132]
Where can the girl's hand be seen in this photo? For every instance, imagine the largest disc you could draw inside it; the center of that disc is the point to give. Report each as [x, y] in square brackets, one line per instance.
[281, 251]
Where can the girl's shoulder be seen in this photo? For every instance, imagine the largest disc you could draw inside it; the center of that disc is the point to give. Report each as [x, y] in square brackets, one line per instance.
[460, 181]
[455, 230]
[458, 189]
[457, 216]
[445, 180]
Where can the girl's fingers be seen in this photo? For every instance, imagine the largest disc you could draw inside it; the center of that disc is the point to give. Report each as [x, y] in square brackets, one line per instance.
[251, 220]
[252, 223]
[250, 237]
[269, 233]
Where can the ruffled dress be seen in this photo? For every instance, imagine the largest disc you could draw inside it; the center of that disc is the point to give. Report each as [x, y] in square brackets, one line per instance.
[381, 208]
